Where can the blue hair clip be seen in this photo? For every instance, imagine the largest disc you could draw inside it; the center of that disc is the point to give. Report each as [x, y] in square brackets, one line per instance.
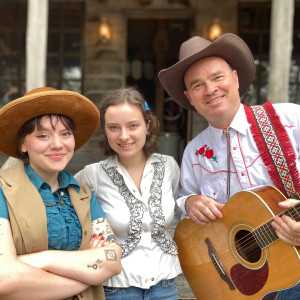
[146, 106]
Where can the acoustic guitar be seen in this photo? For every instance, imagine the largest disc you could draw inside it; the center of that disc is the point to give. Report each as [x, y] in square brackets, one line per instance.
[240, 256]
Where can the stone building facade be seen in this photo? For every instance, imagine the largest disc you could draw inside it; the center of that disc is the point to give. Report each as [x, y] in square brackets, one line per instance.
[145, 38]
[106, 66]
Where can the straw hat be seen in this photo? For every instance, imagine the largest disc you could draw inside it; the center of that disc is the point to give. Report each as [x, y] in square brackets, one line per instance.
[42, 101]
[229, 47]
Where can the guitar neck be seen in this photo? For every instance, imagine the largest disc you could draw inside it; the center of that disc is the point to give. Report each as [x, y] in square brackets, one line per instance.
[265, 234]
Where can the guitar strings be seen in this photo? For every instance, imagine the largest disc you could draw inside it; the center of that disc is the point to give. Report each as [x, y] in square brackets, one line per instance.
[249, 240]
[246, 242]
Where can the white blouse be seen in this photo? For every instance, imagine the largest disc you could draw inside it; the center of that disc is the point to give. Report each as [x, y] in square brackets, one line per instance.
[141, 222]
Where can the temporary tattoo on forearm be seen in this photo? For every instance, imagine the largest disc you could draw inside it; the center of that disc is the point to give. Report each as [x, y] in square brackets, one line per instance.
[111, 239]
[110, 254]
[108, 229]
[96, 265]
[100, 220]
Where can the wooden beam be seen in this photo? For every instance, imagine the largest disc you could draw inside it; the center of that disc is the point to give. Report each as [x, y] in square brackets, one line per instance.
[282, 18]
[36, 44]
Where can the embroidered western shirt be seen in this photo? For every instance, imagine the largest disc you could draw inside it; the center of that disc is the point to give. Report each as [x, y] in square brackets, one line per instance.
[204, 163]
[141, 222]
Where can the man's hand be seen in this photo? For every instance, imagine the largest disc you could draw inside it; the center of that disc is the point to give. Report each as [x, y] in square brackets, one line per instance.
[287, 229]
[202, 209]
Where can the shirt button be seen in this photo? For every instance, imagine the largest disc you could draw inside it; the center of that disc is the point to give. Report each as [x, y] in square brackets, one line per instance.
[146, 280]
[234, 148]
[214, 193]
[242, 174]
[146, 255]
[152, 279]
[133, 191]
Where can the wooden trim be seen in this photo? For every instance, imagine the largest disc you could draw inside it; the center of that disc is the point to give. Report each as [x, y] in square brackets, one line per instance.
[159, 14]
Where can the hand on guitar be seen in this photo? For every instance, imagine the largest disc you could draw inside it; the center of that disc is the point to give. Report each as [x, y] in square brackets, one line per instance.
[202, 209]
[287, 229]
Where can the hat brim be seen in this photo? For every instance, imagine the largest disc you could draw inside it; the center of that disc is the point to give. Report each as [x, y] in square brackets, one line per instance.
[78, 108]
[229, 47]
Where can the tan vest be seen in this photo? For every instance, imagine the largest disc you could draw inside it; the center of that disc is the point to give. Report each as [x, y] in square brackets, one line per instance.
[28, 217]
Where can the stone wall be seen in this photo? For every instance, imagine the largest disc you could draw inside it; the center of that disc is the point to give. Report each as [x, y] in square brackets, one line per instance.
[105, 64]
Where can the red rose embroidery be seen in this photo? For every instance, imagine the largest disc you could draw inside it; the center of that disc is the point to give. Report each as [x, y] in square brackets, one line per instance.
[209, 153]
[201, 151]
[205, 151]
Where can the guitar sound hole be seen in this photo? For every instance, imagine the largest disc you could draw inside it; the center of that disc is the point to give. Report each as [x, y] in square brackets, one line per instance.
[247, 246]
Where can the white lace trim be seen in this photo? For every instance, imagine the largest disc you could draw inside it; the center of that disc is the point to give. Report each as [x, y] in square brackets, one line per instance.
[136, 209]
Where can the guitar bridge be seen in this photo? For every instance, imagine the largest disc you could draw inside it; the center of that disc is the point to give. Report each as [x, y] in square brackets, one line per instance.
[218, 264]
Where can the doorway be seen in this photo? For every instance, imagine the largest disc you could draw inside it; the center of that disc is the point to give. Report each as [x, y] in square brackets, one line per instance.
[153, 44]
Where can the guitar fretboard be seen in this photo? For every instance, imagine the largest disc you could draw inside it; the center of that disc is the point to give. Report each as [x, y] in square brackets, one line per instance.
[265, 234]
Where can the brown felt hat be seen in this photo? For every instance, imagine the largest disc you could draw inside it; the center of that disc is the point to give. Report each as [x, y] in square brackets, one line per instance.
[44, 101]
[229, 47]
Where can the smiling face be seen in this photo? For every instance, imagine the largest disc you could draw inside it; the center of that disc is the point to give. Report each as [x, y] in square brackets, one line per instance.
[213, 89]
[49, 148]
[126, 130]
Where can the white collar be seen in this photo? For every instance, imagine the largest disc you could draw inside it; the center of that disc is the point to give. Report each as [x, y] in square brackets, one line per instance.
[113, 161]
[239, 123]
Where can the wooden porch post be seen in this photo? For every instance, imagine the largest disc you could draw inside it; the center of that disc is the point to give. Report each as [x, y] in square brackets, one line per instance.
[282, 18]
[36, 43]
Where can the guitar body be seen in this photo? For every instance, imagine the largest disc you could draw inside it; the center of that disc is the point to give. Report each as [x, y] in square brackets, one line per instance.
[222, 261]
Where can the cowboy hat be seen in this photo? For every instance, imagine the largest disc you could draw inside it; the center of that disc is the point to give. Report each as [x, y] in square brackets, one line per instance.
[229, 47]
[44, 101]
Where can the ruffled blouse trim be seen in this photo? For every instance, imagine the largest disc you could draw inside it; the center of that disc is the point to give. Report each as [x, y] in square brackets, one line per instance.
[137, 210]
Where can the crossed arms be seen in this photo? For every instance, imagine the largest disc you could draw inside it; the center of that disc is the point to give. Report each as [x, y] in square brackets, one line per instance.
[56, 274]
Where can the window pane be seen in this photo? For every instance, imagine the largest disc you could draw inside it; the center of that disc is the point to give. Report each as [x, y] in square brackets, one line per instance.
[53, 42]
[72, 42]
[8, 16]
[10, 90]
[9, 66]
[73, 18]
[8, 41]
[54, 17]
[53, 83]
[72, 69]
[252, 41]
[53, 69]
[73, 85]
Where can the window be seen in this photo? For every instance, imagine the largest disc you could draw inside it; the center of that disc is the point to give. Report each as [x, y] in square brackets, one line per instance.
[254, 29]
[12, 50]
[65, 47]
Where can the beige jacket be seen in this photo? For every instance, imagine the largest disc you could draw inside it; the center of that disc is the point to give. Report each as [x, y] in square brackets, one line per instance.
[30, 229]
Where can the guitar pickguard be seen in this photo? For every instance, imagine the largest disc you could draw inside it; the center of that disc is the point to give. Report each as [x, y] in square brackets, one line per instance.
[241, 277]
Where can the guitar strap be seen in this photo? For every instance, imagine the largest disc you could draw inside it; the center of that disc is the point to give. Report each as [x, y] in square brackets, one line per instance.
[275, 148]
